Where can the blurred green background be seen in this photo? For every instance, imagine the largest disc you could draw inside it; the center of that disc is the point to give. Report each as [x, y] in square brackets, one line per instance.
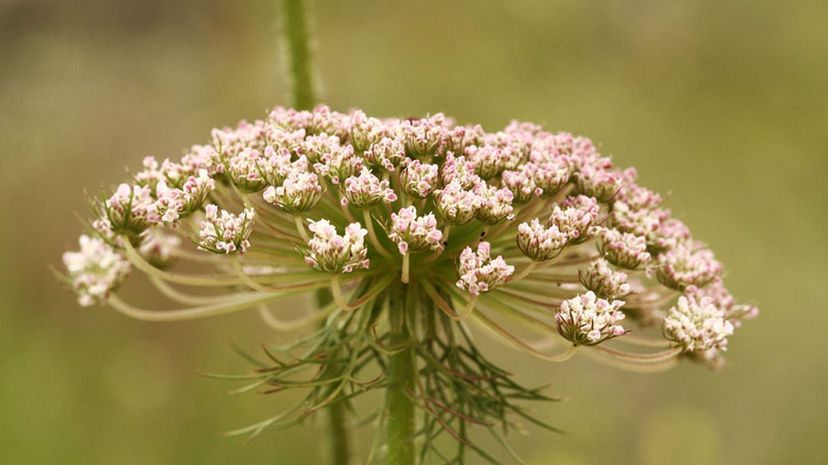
[724, 104]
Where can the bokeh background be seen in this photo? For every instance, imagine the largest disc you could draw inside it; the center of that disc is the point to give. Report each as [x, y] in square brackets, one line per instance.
[722, 103]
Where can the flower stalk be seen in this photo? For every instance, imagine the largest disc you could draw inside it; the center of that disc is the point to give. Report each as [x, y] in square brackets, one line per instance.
[297, 41]
[400, 408]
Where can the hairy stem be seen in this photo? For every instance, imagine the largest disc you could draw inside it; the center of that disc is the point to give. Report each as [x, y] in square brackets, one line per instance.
[296, 37]
[398, 403]
[297, 44]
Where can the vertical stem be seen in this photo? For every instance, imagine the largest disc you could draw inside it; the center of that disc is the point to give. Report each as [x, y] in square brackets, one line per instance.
[338, 450]
[297, 46]
[401, 373]
[296, 38]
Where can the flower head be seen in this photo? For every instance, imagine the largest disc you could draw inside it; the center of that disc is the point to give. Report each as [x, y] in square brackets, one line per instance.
[334, 253]
[624, 250]
[600, 278]
[495, 204]
[419, 179]
[493, 229]
[541, 243]
[687, 265]
[131, 209]
[225, 233]
[299, 192]
[414, 233]
[387, 154]
[174, 203]
[697, 325]
[588, 320]
[595, 181]
[243, 170]
[95, 270]
[456, 204]
[575, 215]
[366, 190]
[480, 273]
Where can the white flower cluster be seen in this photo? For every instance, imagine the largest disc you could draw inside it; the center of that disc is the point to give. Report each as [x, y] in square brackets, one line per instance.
[419, 179]
[697, 325]
[624, 250]
[480, 273]
[539, 242]
[415, 233]
[687, 265]
[95, 270]
[299, 192]
[588, 320]
[225, 233]
[366, 190]
[600, 278]
[334, 253]
[174, 203]
[433, 189]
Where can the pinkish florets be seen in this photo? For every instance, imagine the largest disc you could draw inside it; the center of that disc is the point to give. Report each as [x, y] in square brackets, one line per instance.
[480, 273]
[386, 154]
[669, 234]
[687, 265]
[456, 204]
[521, 183]
[131, 209]
[624, 250]
[413, 233]
[423, 185]
[641, 222]
[275, 165]
[575, 215]
[334, 253]
[495, 204]
[460, 171]
[338, 164]
[423, 137]
[598, 182]
[225, 233]
[365, 132]
[600, 278]
[300, 191]
[551, 165]
[174, 203]
[366, 190]
[697, 325]
[243, 170]
[95, 270]
[541, 243]
[719, 296]
[419, 179]
[588, 320]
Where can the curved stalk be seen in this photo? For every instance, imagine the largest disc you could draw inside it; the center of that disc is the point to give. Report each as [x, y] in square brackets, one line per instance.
[190, 280]
[299, 323]
[520, 344]
[220, 308]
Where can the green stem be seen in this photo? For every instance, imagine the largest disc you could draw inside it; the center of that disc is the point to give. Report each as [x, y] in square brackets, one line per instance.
[398, 403]
[297, 46]
[296, 38]
[339, 449]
